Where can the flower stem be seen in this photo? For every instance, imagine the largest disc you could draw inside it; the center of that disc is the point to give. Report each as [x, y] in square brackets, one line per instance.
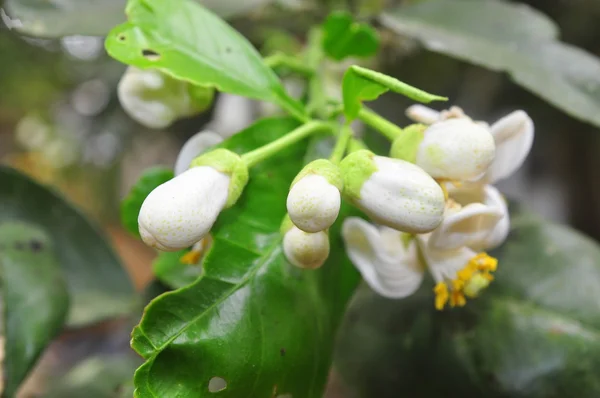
[258, 155]
[317, 103]
[341, 144]
[384, 126]
[292, 63]
[356, 145]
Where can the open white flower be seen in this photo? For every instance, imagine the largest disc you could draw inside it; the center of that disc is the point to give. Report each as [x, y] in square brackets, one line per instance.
[390, 263]
[156, 100]
[393, 192]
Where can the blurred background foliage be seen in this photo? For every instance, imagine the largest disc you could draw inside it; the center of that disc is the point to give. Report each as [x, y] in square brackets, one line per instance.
[61, 124]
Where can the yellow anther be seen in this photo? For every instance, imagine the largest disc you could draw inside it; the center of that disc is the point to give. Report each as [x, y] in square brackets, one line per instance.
[441, 295]
[474, 277]
[190, 258]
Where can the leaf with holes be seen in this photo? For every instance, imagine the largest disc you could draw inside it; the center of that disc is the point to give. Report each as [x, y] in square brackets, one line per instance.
[343, 37]
[34, 296]
[362, 84]
[507, 37]
[188, 42]
[131, 205]
[98, 284]
[534, 333]
[252, 323]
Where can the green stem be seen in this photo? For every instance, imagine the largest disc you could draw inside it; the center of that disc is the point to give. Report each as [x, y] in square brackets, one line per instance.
[253, 157]
[292, 63]
[314, 57]
[384, 126]
[341, 144]
[356, 145]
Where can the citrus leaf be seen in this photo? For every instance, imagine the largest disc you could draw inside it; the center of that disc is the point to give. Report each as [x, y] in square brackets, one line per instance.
[534, 333]
[510, 38]
[343, 37]
[362, 84]
[187, 41]
[132, 203]
[252, 320]
[34, 295]
[98, 284]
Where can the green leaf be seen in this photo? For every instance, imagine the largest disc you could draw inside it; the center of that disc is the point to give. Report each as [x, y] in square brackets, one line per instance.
[509, 38]
[343, 37]
[362, 84]
[252, 319]
[35, 298]
[169, 269]
[99, 286]
[535, 333]
[188, 42]
[132, 203]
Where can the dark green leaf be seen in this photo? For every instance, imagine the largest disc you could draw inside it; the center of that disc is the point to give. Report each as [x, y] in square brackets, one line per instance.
[343, 37]
[167, 268]
[535, 333]
[512, 38]
[98, 285]
[362, 84]
[252, 319]
[34, 296]
[188, 42]
[132, 203]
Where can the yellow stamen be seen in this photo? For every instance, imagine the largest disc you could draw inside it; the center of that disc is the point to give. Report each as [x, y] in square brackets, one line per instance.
[474, 277]
[441, 295]
[190, 258]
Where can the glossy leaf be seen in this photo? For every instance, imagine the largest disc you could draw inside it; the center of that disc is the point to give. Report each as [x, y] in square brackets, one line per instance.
[132, 203]
[99, 286]
[362, 84]
[188, 42]
[34, 295]
[57, 18]
[509, 38]
[169, 269]
[534, 333]
[252, 319]
[343, 37]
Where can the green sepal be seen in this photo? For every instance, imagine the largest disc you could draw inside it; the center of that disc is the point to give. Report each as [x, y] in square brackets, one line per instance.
[406, 145]
[227, 162]
[202, 96]
[356, 168]
[324, 168]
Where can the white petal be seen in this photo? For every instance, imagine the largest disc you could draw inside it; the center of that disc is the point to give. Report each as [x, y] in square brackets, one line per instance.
[456, 149]
[196, 145]
[391, 274]
[402, 196]
[498, 235]
[469, 226]
[422, 114]
[513, 135]
[180, 212]
[306, 250]
[313, 204]
[444, 264]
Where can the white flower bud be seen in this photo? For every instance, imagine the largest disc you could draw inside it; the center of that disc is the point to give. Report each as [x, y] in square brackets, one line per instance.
[180, 212]
[393, 192]
[156, 100]
[306, 250]
[456, 149]
[313, 203]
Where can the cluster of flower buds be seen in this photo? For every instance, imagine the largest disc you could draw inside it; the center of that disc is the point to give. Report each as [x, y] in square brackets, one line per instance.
[466, 158]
